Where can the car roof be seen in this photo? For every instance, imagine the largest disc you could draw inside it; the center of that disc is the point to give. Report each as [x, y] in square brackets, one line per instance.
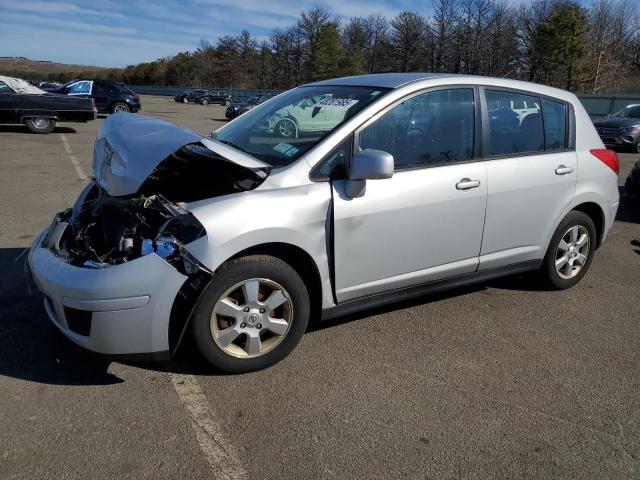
[398, 80]
[385, 80]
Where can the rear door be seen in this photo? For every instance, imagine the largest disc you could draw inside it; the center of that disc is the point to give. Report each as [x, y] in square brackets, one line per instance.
[425, 223]
[531, 171]
[100, 94]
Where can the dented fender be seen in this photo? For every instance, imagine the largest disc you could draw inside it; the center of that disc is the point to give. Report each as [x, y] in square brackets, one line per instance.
[296, 216]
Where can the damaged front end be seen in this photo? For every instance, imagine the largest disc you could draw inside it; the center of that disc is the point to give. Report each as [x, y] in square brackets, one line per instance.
[146, 173]
[103, 230]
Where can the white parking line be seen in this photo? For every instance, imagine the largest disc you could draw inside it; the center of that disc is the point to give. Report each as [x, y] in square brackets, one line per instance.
[74, 160]
[221, 456]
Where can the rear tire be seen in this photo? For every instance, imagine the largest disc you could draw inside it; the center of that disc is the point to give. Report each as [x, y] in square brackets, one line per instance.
[570, 252]
[185, 100]
[120, 107]
[40, 124]
[637, 146]
[205, 101]
[231, 328]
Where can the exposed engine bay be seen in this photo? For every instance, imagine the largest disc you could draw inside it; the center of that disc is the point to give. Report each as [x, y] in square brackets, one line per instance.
[103, 229]
[108, 230]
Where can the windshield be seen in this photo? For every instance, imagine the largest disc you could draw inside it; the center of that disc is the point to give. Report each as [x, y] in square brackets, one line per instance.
[282, 129]
[629, 112]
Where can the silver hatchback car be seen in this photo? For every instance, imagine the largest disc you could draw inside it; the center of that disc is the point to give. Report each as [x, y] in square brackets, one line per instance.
[330, 198]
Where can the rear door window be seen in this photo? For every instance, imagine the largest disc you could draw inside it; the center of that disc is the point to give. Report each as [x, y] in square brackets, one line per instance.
[4, 88]
[555, 124]
[511, 129]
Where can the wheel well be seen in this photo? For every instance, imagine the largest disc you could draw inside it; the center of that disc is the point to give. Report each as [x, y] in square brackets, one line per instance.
[301, 262]
[597, 215]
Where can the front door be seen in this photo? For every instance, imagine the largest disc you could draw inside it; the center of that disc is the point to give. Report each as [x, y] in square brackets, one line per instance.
[425, 223]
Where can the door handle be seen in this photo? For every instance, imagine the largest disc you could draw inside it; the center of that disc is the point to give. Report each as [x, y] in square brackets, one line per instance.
[467, 183]
[562, 170]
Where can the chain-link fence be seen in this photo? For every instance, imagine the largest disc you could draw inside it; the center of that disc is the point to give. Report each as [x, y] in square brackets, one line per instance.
[606, 104]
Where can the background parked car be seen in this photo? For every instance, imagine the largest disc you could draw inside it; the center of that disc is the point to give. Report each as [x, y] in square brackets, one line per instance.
[220, 98]
[621, 129]
[110, 97]
[21, 102]
[238, 109]
[189, 95]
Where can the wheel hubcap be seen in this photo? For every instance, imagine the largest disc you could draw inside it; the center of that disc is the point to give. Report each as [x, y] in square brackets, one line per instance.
[40, 122]
[120, 108]
[572, 252]
[251, 318]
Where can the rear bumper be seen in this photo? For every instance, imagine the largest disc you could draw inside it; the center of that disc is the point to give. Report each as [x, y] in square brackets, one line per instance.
[121, 310]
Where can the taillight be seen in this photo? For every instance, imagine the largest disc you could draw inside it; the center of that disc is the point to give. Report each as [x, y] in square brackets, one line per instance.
[93, 102]
[608, 157]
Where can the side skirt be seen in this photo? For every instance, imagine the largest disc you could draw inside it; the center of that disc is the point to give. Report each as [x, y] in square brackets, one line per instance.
[394, 296]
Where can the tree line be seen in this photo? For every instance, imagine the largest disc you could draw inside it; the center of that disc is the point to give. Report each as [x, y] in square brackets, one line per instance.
[554, 42]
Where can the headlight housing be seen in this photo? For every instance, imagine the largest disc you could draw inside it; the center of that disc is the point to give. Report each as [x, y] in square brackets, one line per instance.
[631, 129]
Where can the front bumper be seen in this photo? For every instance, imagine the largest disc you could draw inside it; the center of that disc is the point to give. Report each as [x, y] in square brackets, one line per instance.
[119, 310]
[618, 140]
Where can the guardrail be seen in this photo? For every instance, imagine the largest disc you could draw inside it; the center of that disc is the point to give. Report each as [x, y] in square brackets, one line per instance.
[238, 94]
[594, 104]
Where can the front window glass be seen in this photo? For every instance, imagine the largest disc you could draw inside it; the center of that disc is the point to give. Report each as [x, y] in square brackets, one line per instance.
[433, 128]
[282, 129]
[515, 123]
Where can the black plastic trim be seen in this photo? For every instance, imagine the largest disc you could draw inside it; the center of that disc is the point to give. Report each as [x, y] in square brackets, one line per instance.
[394, 296]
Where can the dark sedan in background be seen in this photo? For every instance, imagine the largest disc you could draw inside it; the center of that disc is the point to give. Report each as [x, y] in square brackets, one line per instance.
[189, 95]
[237, 109]
[110, 96]
[219, 98]
[620, 129]
[38, 110]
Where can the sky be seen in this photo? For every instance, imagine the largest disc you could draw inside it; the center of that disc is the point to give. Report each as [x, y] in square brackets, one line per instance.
[117, 33]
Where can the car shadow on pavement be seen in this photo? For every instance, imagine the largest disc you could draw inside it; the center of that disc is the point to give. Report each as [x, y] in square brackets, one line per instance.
[23, 129]
[31, 348]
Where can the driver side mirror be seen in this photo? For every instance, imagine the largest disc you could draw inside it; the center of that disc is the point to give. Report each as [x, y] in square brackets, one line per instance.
[367, 165]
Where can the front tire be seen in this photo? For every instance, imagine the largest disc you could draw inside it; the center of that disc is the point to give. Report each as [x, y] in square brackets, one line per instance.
[637, 146]
[570, 252]
[286, 128]
[185, 100]
[40, 125]
[227, 103]
[120, 107]
[251, 315]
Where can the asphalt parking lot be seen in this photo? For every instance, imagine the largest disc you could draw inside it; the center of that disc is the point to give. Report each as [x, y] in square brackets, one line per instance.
[501, 380]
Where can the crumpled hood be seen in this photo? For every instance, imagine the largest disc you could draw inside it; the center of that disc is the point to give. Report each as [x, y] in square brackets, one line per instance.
[130, 146]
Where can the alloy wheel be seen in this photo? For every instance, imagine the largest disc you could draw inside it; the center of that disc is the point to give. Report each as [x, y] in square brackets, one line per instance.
[40, 122]
[286, 128]
[251, 318]
[120, 108]
[572, 252]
